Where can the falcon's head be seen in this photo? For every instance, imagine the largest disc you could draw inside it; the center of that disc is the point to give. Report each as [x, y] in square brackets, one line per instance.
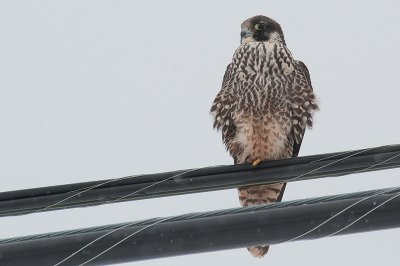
[261, 29]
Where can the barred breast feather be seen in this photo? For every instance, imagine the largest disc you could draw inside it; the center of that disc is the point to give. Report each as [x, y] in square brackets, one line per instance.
[264, 81]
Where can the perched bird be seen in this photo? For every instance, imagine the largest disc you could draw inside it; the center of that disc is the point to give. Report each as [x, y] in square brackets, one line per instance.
[264, 106]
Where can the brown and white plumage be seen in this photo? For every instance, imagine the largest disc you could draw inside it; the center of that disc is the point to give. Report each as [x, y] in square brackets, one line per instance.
[265, 104]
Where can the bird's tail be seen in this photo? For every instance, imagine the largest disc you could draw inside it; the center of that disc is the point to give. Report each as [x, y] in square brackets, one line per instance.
[258, 251]
[257, 195]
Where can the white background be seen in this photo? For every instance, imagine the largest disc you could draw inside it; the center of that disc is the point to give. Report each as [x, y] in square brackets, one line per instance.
[93, 90]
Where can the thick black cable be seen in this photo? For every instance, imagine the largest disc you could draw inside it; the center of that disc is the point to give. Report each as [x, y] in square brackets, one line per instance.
[196, 180]
[210, 231]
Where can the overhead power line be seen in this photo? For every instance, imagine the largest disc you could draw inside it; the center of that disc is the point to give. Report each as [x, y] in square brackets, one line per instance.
[197, 180]
[209, 231]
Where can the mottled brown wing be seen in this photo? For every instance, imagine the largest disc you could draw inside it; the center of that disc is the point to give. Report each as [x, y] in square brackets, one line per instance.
[221, 108]
[305, 81]
[305, 100]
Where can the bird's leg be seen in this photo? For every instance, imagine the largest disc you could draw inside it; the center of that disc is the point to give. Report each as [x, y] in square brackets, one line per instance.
[256, 162]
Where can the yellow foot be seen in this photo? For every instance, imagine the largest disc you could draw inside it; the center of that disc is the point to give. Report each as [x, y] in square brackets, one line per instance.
[256, 162]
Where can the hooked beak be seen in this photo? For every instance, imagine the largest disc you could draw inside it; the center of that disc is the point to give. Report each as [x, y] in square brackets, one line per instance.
[245, 33]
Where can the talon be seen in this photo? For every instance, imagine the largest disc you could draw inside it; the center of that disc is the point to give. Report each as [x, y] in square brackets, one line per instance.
[256, 162]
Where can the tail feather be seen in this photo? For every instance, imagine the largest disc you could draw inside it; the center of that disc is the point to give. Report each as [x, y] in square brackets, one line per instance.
[257, 195]
[258, 251]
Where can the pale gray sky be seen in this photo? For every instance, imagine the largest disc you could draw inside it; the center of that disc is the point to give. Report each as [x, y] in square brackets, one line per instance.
[100, 89]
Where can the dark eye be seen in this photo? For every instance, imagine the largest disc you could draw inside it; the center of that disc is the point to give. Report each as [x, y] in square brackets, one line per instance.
[260, 26]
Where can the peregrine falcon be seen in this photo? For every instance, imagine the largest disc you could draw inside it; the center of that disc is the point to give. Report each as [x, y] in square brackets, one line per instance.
[264, 106]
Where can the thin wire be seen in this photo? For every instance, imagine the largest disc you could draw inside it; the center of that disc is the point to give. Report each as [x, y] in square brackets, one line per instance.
[169, 218]
[362, 216]
[86, 189]
[350, 206]
[338, 213]
[384, 161]
[81, 191]
[100, 237]
[328, 164]
[185, 217]
[156, 183]
[290, 179]
[121, 227]
[125, 238]
[332, 156]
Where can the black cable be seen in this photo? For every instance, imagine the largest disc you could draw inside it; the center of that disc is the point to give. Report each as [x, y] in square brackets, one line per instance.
[197, 180]
[210, 231]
